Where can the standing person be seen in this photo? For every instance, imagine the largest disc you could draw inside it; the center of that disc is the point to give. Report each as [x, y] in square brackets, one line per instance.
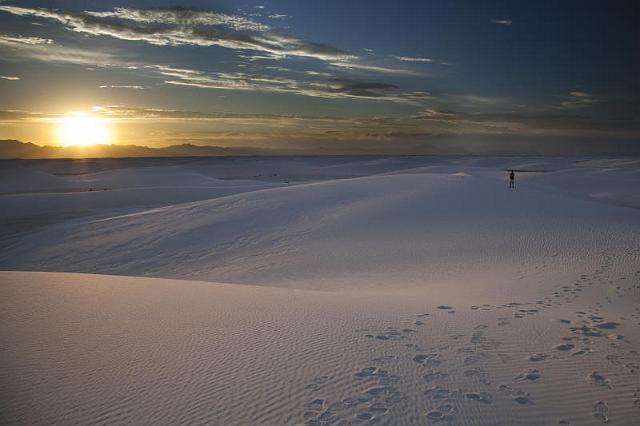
[512, 179]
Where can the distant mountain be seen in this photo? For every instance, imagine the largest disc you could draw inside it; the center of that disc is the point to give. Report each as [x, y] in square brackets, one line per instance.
[494, 145]
[10, 149]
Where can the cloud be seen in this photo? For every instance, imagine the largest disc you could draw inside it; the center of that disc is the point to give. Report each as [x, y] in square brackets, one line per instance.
[279, 16]
[577, 100]
[332, 88]
[352, 65]
[453, 131]
[18, 115]
[479, 101]
[179, 26]
[9, 77]
[121, 87]
[178, 76]
[174, 27]
[31, 41]
[545, 121]
[182, 17]
[50, 52]
[505, 22]
[318, 73]
[413, 59]
[129, 112]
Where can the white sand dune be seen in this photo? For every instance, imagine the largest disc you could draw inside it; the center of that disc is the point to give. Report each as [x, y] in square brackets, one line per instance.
[391, 232]
[418, 291]
[82, 349]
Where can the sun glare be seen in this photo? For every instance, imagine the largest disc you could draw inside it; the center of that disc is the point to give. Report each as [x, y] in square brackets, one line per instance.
[81, 129]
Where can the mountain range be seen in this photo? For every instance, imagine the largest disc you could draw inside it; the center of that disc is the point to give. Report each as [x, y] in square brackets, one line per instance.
[13, 149]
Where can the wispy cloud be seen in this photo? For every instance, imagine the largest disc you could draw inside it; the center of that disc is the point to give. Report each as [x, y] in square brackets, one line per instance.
[112, 86]
[31, 41]
[331, 88]
[135, 112]
[318, 73]
[47, 51]
[576, 100]
[177, 26]
[258, 82]
[478, 101]
[505, 22]
[19, 115]
[359, 66]
[173, 27]
[413, 59]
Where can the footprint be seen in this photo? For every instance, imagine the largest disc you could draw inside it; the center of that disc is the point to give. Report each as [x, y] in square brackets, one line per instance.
[434, 375]
[598, 379]
[504, 357]
[378, 408]
[317, 382]
[366, 372]
[446, 408]
[537, 357]
[521, 399]
[474, 359]
[327, 417]
[565, 347]
[504, 388]
[478, 396]
[316, 404]
[349, 402]
[438, 415]
[365, 416]
[608, 325]
[438, 393]
[613, 336]
[377, 390]
[632, 367]
[601, 411]
[475, 372]
[532, 375]
[310, 417]
[582, 351]
[428, 360]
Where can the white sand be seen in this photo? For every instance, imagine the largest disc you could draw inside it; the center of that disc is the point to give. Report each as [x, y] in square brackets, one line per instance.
[538, 289]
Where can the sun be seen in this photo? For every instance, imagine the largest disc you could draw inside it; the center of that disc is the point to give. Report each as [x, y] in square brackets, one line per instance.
[82, 129]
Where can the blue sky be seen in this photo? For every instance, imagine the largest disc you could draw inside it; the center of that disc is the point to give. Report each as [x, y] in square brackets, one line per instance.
[326, 76]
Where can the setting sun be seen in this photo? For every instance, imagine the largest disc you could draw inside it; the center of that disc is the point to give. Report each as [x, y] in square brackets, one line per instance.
[81, 129]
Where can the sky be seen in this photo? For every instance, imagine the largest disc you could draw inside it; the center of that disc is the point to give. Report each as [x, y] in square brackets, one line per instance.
[368, 76]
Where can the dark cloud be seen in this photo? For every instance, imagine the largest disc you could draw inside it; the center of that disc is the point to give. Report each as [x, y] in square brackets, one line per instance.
[360, 89]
